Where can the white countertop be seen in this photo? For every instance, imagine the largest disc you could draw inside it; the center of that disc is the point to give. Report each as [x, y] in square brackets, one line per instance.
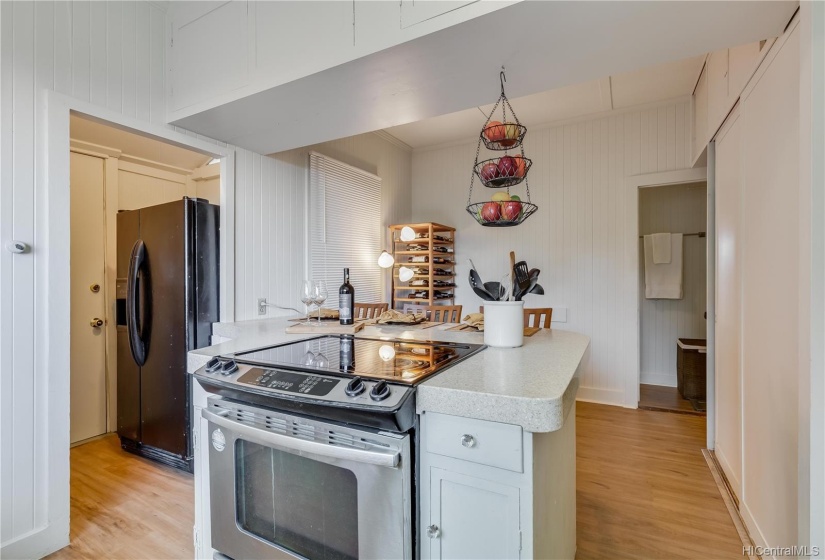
[533, 386]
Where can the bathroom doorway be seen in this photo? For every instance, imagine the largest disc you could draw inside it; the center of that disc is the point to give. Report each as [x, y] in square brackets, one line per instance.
[672, 295]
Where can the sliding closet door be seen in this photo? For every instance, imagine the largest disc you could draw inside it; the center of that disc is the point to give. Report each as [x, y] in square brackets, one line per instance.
[729, 300]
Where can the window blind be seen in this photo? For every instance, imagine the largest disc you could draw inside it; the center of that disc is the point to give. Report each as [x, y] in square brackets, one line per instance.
[345, 228]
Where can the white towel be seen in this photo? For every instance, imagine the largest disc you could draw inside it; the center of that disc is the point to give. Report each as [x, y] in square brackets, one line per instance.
[664, 281]
[661, 248]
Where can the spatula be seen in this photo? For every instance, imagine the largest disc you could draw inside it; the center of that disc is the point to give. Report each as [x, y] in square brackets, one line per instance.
[522, 278]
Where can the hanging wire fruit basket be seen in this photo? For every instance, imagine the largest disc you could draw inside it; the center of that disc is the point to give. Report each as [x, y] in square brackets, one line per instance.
[505, 171]
[504, 210]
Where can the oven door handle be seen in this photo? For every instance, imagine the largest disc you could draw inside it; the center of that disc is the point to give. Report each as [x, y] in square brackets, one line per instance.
[291, 444]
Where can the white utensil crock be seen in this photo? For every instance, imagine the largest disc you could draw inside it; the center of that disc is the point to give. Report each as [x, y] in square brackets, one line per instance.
[504, 323]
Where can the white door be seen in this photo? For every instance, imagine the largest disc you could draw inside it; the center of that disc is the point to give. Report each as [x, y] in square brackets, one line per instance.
[88, 342]
[729, 194]
[472, 518]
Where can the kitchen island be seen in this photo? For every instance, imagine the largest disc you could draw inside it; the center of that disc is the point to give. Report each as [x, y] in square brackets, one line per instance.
[495, 471]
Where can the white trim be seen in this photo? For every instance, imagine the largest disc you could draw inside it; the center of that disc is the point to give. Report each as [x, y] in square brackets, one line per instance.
[173, 169]
[600, 396]
[52, 300]
[150, 171]
[660, 379]
[710, 298]
[207, 172]
[633, 184]
[387, 137]
[90, 149]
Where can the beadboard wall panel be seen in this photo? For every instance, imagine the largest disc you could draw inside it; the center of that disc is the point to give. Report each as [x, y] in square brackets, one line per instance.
[672, 209]
[577, 236]
[270, 233]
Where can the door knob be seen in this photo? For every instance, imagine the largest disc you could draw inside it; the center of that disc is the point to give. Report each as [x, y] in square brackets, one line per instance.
[95, 288]
[96, 323]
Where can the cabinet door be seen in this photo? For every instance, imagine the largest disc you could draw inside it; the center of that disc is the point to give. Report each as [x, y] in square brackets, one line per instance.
[729, 193]
[741, 65]
[717, 89]
[472, 518]
[700, 114]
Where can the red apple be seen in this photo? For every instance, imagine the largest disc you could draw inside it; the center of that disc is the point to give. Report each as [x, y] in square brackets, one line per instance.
[491, 212]
[489, 171]
[510, 210]
[494, 131]
[521, 166]
[507, 167]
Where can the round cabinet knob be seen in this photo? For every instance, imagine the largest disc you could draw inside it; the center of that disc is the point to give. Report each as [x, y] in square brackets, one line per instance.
[94, 288]
[468, 441]
[96, 323]
[433, 531]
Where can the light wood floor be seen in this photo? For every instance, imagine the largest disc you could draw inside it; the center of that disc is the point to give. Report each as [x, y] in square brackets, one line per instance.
[668, 399]
[644, 491]
[123, 506]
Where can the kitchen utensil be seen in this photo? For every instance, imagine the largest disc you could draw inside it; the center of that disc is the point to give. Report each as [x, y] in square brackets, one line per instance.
[534, 278]
[506, 287]
[522, 277]
[494, 288]
[478, 286]
[537, 289]
[512, 275]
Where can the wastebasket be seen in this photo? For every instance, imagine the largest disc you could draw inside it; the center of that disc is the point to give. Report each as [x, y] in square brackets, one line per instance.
[691, 367]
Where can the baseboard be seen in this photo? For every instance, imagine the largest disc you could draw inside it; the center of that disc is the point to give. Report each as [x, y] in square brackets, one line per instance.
[39, 542]
[600, 396]
[737, 511]
[663, 379]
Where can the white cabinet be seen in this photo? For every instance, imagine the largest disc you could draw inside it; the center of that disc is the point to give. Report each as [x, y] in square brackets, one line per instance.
[700, 114]
[493, 490]
[718, 88]
[717, 72]
[472, 518]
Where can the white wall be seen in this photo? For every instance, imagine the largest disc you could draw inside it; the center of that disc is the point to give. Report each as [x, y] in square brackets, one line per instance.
[274, 217]
[577, 237]
[110, 54]
[675, 209]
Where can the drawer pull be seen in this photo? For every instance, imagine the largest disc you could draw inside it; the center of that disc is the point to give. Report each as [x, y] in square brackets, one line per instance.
[433, 531]
[468, 441]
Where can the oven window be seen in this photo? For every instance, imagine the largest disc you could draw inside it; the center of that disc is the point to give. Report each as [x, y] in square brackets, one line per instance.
[306, 506]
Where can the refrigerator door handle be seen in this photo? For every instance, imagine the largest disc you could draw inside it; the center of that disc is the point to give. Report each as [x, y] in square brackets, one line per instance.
[136, 344]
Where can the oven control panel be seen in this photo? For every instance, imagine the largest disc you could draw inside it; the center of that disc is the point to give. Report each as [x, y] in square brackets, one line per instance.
[290, 381]
[347, 391]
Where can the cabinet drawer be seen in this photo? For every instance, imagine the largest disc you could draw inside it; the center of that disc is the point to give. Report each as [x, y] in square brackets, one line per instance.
[480, 441]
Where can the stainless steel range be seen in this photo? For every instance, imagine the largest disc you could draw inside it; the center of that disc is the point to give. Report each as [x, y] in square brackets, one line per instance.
[313, 446]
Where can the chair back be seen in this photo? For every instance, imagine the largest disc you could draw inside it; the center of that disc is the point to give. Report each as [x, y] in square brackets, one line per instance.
[436, 313]
[539, 317]
[369, 310]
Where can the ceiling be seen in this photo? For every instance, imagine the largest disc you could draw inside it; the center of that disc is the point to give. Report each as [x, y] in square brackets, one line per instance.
[557, 44]
[656, 83]
[134, 145]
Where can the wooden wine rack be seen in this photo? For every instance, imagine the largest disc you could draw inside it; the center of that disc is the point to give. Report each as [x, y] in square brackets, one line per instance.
[401, 291]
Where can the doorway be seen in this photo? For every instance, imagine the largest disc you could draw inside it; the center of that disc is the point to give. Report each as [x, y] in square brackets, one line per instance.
[672, 293]
[113, 170]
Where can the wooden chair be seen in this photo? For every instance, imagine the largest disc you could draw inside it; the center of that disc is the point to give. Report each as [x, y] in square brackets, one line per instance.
[534, 316]
[369, 310]
[436, 313]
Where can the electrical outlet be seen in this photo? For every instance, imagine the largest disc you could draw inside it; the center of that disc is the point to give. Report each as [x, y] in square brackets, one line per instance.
[261, 306]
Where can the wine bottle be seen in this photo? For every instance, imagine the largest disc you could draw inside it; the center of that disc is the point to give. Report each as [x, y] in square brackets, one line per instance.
[346, 301]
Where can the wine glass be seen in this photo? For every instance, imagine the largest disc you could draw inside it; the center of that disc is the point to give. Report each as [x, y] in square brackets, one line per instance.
[320, 295]
[307, 295]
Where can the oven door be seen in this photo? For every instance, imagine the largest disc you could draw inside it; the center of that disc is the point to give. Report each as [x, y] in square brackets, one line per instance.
[288, 487]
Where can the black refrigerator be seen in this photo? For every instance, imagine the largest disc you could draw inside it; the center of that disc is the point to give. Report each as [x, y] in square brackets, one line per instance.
[167, 300]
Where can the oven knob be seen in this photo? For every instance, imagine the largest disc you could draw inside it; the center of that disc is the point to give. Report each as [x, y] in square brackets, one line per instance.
[213, 365]
[380, 391]
[229, 367]
[355, 387]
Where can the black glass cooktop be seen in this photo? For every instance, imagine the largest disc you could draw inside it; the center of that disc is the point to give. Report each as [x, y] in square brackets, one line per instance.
[404, 361]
